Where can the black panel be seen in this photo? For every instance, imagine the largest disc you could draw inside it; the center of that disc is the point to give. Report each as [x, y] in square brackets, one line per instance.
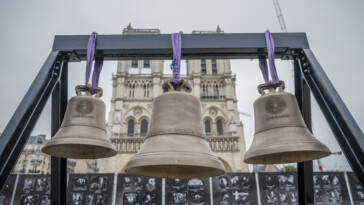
[278, 188]
[7, 192]
[33, 189]
[188, 191]
[194, 46]
[132, 190]
[90, 189]
[357, 190]
[235, 188]
[330, 188]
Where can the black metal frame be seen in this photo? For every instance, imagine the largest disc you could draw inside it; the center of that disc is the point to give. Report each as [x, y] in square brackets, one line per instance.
[52, 78]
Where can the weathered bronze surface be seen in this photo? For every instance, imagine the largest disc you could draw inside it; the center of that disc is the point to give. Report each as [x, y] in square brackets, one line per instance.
[175, 146]
[281, 135]
[82, 134]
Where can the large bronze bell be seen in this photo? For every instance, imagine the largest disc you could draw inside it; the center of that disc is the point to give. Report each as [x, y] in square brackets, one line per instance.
[175, 145]
[83, 133]
[281, 135]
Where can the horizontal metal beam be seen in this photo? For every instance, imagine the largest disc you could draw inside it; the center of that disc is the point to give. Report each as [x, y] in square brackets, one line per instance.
[194, 46]
[21, 124]
[340, 120]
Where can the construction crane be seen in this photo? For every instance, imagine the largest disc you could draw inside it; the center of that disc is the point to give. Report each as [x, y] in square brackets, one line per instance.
[280, 16]
[284, 29]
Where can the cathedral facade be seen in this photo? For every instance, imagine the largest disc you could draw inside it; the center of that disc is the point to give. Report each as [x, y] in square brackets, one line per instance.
[137, 82]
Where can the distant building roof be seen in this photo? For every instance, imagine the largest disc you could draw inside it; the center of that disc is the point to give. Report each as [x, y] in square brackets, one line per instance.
[218, 30]
[130, 30]
[39, 139]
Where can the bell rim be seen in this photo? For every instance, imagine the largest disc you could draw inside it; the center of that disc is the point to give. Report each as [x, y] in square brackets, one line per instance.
[140, 171]
[53, 147]
[209, 165]
[257, 159]
[289, 145]
[256, 155]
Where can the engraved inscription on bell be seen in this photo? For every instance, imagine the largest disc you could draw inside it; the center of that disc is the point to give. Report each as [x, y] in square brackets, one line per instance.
[84, 107]
[275, 105]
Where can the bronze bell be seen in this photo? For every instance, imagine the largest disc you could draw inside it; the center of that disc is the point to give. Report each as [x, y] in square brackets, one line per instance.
[281, 135]
[175, 145]
[82, 134]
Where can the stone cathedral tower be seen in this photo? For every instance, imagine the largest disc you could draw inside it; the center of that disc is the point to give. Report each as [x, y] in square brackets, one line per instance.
[137, 82]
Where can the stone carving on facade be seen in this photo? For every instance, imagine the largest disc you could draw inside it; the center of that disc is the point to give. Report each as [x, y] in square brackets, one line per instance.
[213, 112]
[138, 111]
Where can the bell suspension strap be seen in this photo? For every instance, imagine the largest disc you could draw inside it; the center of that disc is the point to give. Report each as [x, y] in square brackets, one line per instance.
[91, 46]
[272, 66]
[176, 63]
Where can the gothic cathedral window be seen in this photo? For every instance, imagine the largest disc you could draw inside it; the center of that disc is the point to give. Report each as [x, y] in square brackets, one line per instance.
[144, 128]
[134, 63]
[219, 127]
[146, 64]
[207, 126]
[131, 128]
[203, 67]
[214, 66]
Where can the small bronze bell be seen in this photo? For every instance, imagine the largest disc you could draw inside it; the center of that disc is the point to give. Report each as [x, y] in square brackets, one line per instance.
[175, 146]
[82, 134]
[281, 135]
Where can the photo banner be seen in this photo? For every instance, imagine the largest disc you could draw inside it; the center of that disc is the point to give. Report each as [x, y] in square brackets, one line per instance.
[235, 188]
[132, 190]
[357, 190]
[188, 191]
[33, 189]
[330, 188]
[90, 189]
[7, 192]
[278, 188]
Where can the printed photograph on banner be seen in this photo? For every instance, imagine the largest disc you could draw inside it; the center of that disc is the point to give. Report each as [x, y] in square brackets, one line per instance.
[194, 191]
[278, 188]
[33, 189]
[132, 190]
[235, 188]
[330, 188]
[357, 190]
[90, 189]
[7, 191]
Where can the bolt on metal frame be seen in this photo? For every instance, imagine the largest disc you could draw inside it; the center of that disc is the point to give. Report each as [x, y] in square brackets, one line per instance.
[52, 81]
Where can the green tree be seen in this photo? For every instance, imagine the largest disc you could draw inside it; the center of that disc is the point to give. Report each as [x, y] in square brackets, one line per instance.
[289, 168]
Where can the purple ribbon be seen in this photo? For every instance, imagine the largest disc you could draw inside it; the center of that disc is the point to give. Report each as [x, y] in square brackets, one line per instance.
[263, 63]
[91, 46]
[177, 46]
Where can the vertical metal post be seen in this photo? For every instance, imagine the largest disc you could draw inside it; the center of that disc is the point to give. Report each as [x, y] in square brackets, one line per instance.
[304, 169]
[59, 165]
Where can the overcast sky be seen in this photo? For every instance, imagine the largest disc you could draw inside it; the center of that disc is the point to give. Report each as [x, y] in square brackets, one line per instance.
[334, 28]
